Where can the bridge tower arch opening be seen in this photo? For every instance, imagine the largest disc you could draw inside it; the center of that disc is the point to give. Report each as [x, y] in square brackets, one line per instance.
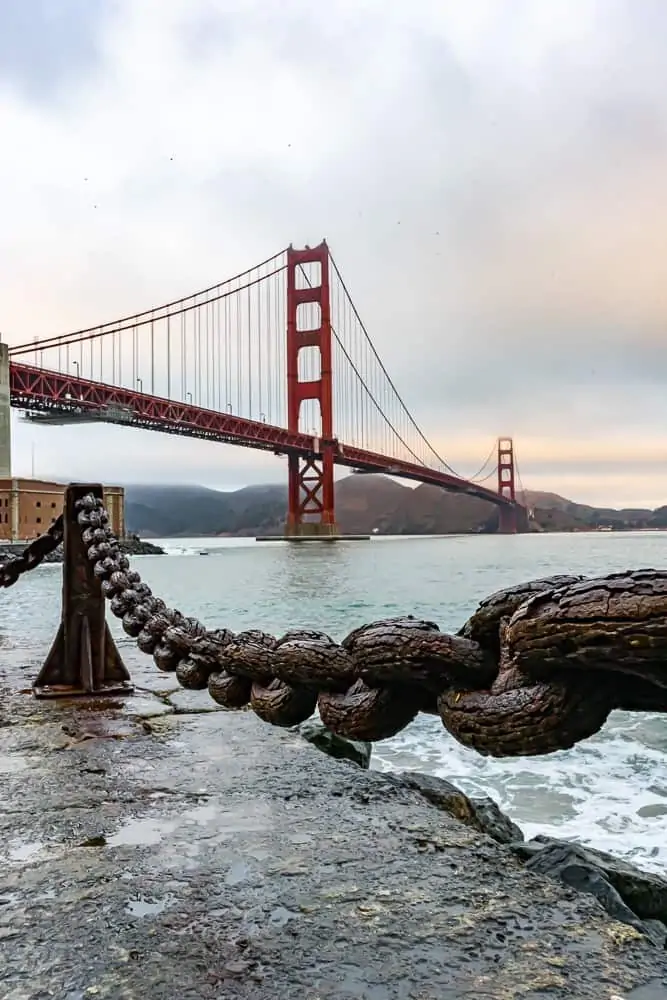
[310, 511]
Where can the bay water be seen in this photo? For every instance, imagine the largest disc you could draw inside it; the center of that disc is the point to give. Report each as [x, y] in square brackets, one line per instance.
[609, 791]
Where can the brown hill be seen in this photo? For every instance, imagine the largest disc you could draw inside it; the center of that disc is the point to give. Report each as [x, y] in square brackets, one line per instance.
[367, 504]
[554, 513]
[364, 505]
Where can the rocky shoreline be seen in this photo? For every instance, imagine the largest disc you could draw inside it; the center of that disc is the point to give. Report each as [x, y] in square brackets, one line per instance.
[135, 546]
[628, 894]
[163, 843]
[131, 546]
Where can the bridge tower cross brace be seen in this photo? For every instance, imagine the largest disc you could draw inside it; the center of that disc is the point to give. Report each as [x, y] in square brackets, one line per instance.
[310, 511]
[507, 515]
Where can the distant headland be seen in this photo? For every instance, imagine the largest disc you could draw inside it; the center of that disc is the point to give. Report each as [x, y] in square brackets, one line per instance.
[364, 505]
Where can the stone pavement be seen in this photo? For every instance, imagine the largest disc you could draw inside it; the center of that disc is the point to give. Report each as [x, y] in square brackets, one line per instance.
[159, 854]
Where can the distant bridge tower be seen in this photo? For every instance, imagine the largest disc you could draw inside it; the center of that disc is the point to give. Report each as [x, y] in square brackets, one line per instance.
[310, 510]
[508, 519]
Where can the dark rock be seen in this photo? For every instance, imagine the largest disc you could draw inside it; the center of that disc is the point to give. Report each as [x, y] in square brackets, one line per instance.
[99, 840]
[134, 546]
[627, 893]
[336, 746]
[482, 814]
[11, 551]
[657, 931]
[131, 546]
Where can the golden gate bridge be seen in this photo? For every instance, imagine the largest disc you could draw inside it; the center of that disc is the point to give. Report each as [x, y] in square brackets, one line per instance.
[276, 358]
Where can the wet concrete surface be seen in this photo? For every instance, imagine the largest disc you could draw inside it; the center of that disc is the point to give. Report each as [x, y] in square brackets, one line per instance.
[158, 850]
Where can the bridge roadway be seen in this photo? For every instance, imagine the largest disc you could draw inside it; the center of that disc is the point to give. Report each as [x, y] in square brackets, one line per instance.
[207, 856]
[56, 397]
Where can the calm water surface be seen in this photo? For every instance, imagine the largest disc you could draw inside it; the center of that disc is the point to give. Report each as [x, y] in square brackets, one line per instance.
[610, 791]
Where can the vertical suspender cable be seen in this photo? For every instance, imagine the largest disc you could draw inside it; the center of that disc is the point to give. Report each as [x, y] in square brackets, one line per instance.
[258, 318]
[152, 358]
[249, 334]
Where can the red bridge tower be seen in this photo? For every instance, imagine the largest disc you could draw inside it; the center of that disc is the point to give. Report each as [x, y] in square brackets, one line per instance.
[310, 510]
[508, 519]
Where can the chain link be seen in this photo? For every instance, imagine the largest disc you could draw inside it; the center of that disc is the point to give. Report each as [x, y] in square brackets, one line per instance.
[33, 554]
[537, 668]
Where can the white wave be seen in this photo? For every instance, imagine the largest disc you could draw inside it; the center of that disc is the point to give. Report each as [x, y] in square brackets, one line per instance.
[198, 546]
[609, 792]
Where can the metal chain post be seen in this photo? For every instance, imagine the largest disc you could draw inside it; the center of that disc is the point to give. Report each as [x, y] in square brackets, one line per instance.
[84, 659]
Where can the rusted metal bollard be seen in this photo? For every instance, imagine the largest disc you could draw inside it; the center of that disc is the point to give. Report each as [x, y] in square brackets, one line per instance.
[84, 659]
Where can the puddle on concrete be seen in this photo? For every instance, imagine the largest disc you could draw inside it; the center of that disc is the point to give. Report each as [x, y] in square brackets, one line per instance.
[12, 763]
[281, 916]
[142, 907]
[201, 814]
[300, 838]
[25, 851]
[238, 873]
[142, 832]
[652, 810]
[92, 726]
[248, 818]
[654, 990]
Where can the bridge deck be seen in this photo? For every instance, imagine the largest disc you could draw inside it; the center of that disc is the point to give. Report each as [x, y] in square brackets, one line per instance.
[60, 398]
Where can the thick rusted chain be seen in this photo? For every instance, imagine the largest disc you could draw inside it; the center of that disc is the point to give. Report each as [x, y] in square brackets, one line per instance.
[32, 555]
[537, 668]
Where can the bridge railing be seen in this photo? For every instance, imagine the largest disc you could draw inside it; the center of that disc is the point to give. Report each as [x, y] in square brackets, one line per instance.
[536, 668]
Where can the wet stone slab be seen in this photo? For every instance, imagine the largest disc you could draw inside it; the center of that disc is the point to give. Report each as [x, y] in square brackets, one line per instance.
[155, 682]
[145, 706]
[190, 702]
[210, 856]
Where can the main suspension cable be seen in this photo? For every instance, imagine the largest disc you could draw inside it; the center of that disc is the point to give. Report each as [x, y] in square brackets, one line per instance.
[109, 327]
[387, 375]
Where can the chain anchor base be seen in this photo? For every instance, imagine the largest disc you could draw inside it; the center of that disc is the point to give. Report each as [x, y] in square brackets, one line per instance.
[84, 660]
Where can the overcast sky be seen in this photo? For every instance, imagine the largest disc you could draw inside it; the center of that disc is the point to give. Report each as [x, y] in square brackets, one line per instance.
[530, 135]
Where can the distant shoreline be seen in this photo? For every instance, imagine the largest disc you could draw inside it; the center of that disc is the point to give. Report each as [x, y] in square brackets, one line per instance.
[434, 534]
[130, 546]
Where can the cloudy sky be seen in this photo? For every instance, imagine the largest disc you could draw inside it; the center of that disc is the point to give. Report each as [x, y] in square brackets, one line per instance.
[530, 135]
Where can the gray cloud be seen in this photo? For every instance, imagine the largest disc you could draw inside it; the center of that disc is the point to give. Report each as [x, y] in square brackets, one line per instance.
[491, 181]
[47, 43]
